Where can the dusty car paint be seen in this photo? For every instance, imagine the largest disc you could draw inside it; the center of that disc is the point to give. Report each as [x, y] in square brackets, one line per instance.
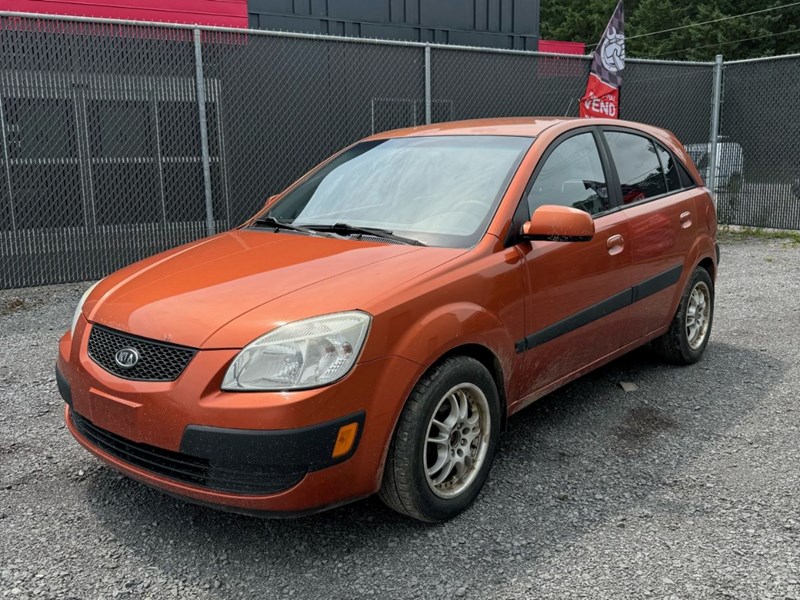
[527, 306]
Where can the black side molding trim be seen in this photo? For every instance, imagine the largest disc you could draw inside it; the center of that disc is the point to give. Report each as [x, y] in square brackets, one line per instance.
[658, 283]
[603, 308]
[584, 317]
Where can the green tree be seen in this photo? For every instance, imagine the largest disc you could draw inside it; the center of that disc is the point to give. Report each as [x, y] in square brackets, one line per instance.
[764, 34]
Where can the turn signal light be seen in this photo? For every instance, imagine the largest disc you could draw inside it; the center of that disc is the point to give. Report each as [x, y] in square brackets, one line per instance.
[345, 439]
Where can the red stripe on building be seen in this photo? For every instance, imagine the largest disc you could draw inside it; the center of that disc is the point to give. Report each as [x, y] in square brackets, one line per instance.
[226, 13]
[562, 47]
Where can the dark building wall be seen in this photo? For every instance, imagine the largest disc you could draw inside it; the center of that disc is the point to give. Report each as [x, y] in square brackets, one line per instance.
[227, 13]
[489, 23]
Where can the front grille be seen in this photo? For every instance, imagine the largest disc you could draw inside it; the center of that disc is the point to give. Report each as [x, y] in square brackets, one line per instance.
[158, 361]
[185, 468]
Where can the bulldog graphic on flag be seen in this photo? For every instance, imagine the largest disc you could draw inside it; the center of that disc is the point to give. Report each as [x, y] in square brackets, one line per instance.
[601, 98]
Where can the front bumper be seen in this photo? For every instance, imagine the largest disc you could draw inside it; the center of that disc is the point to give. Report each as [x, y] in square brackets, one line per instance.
[250, 452]
[241, 461]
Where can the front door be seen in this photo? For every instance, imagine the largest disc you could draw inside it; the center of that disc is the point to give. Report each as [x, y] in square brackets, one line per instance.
[578, 293]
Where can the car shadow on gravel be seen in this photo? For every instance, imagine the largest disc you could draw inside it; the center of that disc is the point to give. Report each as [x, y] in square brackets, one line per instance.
[584, 457]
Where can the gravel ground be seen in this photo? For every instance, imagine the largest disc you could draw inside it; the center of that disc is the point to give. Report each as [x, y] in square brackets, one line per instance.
[686, 487]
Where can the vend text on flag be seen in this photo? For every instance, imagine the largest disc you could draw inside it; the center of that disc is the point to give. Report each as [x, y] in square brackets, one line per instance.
[601, 98]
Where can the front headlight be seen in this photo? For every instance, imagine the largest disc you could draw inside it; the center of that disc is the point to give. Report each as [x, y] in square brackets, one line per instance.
[79, 308]
[304, 354]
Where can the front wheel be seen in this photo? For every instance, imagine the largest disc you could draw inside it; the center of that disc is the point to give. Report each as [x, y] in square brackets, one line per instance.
[687, 337]
[445, 442]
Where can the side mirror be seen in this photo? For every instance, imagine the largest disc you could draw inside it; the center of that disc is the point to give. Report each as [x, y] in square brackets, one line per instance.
[558, 224]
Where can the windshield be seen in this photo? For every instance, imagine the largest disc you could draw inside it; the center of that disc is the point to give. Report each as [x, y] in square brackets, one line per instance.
[439, 190]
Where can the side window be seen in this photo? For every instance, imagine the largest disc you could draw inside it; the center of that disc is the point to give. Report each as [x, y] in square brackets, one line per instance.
[637, 165]
[572, 176]
[686, 179]
[670, 168]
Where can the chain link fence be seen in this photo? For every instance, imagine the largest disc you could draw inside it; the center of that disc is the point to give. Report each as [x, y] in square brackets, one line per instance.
[472, 84]
[107, 156]
[758, 172]
[288, 103]
[675, 96]
[101, 154]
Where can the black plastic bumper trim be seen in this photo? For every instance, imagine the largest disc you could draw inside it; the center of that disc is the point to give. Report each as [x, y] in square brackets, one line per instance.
[308, 447]
[242, 478]
[63, 387]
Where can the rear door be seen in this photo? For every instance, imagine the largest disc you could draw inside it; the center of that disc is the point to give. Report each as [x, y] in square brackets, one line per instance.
[577, 292]
[660, 207]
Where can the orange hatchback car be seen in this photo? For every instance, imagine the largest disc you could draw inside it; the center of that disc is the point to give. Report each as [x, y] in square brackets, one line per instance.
[373, 326]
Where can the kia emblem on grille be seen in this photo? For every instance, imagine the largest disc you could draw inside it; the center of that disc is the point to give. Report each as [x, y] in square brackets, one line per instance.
[127, 358]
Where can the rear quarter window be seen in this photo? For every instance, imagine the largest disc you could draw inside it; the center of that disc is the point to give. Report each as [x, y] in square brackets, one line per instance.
[670, 167]
[687, 181]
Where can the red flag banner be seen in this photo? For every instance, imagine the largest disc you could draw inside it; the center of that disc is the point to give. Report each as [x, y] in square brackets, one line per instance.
[601, 98]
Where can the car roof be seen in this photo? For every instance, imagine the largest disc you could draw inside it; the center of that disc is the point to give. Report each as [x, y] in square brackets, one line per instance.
[512, 126]
[517, 126]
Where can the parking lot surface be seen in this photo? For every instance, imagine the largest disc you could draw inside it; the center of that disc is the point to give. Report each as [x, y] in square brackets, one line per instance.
[686, 487]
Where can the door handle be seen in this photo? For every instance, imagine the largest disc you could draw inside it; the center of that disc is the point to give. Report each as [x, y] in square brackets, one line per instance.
[686, 219]
[615, 244]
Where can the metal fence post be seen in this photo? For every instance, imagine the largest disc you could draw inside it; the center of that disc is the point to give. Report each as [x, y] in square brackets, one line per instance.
[428, 97]
[711, 181]
[201, 110]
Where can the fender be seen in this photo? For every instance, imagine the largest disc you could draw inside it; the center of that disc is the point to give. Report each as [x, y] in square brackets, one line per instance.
[441, 331]
[452, 325]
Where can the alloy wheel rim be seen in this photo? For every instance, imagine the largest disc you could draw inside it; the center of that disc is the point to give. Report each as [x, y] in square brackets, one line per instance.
[698, 313]
[457, 440]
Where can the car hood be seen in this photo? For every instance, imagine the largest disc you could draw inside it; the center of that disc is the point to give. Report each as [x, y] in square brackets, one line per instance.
[189, 294]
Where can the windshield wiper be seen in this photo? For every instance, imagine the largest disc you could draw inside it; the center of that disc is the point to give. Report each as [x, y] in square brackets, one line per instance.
[347, 229]
[272, 222]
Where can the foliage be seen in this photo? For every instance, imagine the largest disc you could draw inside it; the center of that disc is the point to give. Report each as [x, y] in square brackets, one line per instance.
[733, 233]
[775, 32]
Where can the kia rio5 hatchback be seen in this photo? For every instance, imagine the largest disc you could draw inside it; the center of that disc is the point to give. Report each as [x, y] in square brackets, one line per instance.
[373, 326]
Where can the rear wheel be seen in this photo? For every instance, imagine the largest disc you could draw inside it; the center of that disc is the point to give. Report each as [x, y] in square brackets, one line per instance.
[445, 442]
[687, 337]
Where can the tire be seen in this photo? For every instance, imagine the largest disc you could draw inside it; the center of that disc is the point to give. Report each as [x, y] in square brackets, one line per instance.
[462, 442]
[682, 344]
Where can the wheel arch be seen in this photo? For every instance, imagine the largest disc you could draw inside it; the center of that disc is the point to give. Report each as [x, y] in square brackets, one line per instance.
[488, 359]
[477, 351]
[702, 254]
[708, 264]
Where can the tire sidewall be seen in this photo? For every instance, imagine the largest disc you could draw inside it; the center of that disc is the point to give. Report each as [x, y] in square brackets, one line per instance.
[693, 355]
[456, 372]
